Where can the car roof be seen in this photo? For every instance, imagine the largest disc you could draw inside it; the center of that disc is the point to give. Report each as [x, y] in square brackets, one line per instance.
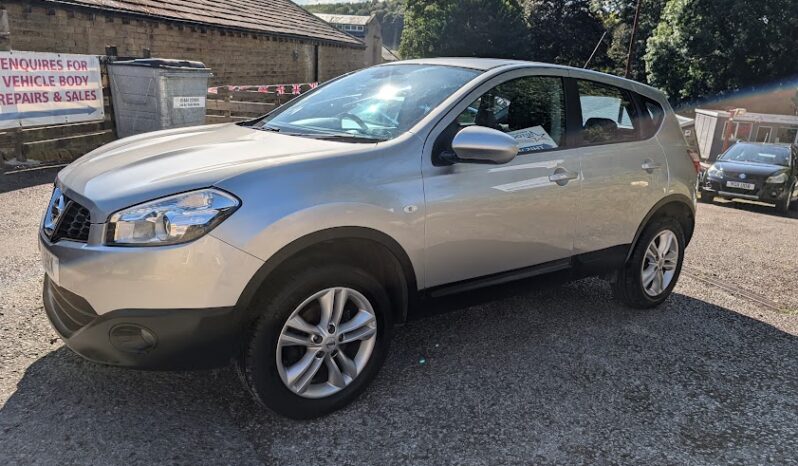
[482, 64]
[771, 144]
[487, 64]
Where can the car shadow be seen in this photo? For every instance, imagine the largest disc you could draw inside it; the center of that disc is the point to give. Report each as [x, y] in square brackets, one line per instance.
[755, 207]
[526, 375]
[19, 179]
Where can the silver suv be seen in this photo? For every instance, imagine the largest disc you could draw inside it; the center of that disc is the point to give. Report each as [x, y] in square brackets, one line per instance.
[293, 243]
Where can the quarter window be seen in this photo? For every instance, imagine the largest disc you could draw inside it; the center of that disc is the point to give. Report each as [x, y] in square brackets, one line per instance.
[531, 109]
[656, 115]
[608, 114]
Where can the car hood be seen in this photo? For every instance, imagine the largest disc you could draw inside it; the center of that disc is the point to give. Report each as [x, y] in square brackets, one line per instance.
[756, 169]
[148, 166]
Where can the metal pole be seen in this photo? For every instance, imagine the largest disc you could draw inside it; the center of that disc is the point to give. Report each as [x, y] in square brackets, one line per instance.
[5, 30]
[632, 41]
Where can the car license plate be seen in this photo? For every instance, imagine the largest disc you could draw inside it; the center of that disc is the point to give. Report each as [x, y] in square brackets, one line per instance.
[50, 264]
[739, 185]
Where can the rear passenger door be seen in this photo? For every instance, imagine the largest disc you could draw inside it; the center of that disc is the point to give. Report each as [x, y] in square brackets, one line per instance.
[624, 168]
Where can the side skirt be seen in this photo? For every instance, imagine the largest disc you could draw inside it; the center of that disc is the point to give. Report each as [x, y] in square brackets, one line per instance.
[580, 266]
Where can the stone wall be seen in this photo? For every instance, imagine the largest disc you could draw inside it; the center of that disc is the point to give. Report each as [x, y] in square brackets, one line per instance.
[236, 57]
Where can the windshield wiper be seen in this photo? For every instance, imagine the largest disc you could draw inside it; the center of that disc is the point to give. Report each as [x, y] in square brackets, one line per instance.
[345, 137]
[267, 128]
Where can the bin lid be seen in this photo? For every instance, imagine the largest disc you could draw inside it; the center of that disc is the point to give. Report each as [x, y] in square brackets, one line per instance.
[163, 63]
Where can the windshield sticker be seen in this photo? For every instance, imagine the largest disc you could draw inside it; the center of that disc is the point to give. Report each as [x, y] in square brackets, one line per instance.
[533, 139]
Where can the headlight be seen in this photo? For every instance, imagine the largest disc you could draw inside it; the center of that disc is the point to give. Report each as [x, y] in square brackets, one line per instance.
[781, 178]
[170, 220]
[715, 172]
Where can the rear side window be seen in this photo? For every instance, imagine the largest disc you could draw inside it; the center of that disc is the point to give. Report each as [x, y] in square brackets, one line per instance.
[608, 114]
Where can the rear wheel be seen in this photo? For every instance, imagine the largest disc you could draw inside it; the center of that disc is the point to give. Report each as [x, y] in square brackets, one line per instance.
[319, 342]
[650, 275]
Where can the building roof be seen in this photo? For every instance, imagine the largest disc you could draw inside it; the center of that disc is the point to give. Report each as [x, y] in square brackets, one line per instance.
[346, 19]
[278, 17]
[766, 118]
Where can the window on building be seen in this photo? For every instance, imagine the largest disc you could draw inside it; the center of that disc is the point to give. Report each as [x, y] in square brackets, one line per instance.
[608, 114]
[531, 109]
[739, 131]
[786, 135]
[763, 134]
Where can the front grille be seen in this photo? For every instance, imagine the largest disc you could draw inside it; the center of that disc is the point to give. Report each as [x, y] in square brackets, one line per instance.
[75, 223]
[67, 311]
[734, 176]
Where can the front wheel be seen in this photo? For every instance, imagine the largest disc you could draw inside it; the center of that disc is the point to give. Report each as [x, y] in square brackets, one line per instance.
[650, 275]
[319, 342]
[707, 197]
[784, 206]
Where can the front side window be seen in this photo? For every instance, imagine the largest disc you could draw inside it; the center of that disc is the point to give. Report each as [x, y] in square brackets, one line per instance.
[374, 104]
[531, 109]
[608, 114]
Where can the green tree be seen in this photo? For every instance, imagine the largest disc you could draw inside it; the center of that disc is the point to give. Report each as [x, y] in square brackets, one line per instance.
[475, 28]
[703, 48]
[563, 31]
[618, 18]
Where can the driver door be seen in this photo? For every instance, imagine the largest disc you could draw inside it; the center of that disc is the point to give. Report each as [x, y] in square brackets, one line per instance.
[488, 219]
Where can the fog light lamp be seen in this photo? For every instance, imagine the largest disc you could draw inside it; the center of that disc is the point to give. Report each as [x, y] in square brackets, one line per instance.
[132, 338]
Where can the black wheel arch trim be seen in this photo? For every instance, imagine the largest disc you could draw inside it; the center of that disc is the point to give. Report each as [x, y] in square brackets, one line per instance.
[669, 199]
[295, 247]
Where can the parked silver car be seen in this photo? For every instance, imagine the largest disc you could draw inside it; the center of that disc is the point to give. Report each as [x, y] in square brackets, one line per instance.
[294, 242]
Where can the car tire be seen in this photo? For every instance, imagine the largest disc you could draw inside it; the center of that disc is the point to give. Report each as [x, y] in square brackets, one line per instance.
[783, 207]
[786, 205]
[631, 284]
[265, 369]
[707, 197]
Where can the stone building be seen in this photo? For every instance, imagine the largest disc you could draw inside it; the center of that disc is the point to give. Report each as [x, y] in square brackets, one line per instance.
[244, 42]
[365, 28]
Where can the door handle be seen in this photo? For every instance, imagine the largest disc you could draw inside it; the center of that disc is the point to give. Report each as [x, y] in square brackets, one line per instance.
[562, 176]
[650, 166]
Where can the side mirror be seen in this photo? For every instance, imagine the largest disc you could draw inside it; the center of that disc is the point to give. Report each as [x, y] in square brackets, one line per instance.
[478, 144]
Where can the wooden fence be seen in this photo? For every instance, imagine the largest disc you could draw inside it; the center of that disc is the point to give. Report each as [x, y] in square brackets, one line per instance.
[227, 106]
[64, 143]
[58, 143]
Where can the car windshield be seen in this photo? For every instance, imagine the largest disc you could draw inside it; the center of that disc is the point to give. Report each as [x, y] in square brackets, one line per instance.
[758, 153]
[375, 104]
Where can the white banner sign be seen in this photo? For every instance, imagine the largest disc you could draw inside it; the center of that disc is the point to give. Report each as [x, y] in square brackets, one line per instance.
[49, 89]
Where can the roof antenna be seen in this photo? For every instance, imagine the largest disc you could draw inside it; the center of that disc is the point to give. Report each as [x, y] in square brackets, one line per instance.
[595, 49]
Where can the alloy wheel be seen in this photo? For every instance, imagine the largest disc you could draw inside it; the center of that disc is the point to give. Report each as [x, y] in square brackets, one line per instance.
[326, 342]
[660, 263]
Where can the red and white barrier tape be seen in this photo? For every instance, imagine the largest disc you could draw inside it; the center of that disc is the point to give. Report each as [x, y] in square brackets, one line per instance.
[279, 89]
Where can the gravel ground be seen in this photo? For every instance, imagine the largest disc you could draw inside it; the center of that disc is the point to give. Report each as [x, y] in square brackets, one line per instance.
[523, 374]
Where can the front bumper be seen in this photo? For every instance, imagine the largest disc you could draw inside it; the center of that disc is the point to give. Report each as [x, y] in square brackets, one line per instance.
[763, 192]
[170, 307]
[163, 339]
